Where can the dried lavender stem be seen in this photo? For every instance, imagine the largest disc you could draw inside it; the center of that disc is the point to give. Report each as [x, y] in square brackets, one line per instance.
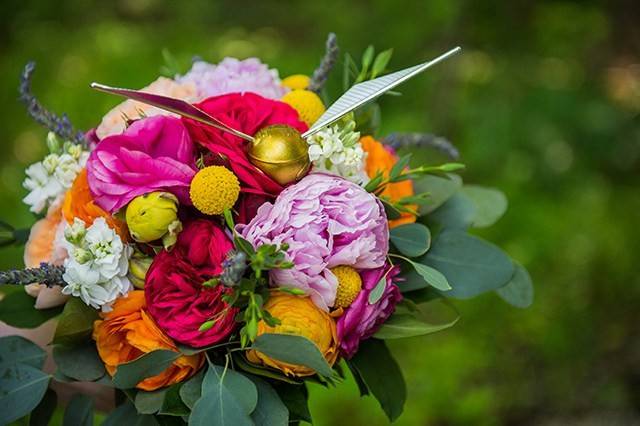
[321, 74]
[49, 275]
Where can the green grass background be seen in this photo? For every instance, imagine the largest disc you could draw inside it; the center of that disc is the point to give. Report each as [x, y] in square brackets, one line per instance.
[544, 103]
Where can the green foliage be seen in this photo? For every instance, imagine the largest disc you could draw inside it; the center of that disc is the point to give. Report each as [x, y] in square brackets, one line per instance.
[270, 410]
[21, 390]
[381, 374]
[75, 322]
[411, 320]
[79, 411]
[130, 373]
[41, 415]
[412, 239]
[79, 361]
[18, 350]
[16, 309]
[293, 349]
[518, 291]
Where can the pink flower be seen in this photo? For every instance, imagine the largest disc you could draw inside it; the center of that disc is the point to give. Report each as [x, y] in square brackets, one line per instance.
[361, 320]
[176, 298]
[234, 76]
[153, 154]
[327, 221]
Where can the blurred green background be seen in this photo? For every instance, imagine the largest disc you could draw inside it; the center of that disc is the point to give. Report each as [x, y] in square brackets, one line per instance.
[543, 103]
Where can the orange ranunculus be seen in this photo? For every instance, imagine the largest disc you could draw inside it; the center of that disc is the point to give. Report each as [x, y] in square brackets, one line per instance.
[381, 158]
[41, 247]
[79, 203]
[127, 332]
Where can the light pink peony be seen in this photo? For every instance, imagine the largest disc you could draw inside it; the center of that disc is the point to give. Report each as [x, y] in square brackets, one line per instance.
[114, 122]
[234, 76]
[153, 154]
[327, 221]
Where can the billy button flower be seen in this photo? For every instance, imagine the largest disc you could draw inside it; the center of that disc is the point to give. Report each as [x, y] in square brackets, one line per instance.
[349, 285]
[214, 189]
[308, 104]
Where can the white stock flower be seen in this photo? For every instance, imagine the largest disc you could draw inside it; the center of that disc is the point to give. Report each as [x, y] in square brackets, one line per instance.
[336, 150]
[96, 270]
[48, 179]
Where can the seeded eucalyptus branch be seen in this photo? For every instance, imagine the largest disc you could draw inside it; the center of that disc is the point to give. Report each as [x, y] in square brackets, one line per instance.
[321, 74]
[420, 140]
[46, 274]
[60, 125]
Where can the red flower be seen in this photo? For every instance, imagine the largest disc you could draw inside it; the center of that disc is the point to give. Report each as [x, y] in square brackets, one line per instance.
[176, 298]
[248, 113]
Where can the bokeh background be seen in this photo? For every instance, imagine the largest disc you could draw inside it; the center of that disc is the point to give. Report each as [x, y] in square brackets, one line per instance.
[544, 103]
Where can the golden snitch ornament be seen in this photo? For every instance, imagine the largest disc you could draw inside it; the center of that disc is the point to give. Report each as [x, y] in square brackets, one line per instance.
[281, 151]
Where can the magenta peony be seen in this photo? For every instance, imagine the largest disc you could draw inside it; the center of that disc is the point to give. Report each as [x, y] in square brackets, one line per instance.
[153, 154]
[176, 298]
[361, 320]
[327, 221]
[234, 76]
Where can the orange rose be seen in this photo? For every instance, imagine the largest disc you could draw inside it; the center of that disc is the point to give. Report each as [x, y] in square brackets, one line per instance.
[127, 332]
[79, 203]
[379, 158]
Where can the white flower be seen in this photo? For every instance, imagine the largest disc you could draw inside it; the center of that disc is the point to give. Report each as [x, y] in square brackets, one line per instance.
[337, 150]
[96, 270]
[48, 179]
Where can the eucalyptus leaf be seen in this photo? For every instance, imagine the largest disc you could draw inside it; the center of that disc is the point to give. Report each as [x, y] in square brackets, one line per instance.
[21, 390]
[377, 291]
[457, 212]
[75, 322]
[79, 411]
[79, 362]
[242, 363]
[430, 276]
[471, 265]
[518, 291]
[192, 389]
[416, 321]
[293, 349]
[41, 415]
[490, 204]
[149, 402]
[17, 349]
[439, 188]
[391, 212]
[381, 374]
[172, 404]
[17, 310]
[124, 414]
[229, 380]
[413, 239]
[270, 410]
[129, 374]
[295, 398]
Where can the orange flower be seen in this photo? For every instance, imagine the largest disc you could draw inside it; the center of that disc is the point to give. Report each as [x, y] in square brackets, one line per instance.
[79, 203]
[40, 247]
[379, 158]
[127, 332]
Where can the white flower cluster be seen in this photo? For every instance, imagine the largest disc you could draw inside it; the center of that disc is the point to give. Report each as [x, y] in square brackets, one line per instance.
[48, 179]
[96, 269]
[337, 150]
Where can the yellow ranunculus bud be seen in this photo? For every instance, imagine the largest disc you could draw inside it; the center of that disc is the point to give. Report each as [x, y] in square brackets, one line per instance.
[153, 216]
[300, 316]
[296, 81]
[139, 264]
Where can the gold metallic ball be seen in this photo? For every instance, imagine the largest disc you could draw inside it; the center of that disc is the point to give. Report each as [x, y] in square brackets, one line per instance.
[281, 153]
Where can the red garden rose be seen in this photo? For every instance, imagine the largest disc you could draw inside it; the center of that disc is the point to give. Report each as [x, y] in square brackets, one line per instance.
[176, 297]
[248, 113]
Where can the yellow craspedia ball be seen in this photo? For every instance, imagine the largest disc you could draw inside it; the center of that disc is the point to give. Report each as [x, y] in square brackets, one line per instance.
[349, 285]
[308, 104]
[214, 189]
[296, 81]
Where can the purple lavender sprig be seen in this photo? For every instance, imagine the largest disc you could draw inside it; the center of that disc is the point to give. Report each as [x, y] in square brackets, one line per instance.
[233, 268]
[49, 275]
[60, 125]
[321, 74]
[407, 140]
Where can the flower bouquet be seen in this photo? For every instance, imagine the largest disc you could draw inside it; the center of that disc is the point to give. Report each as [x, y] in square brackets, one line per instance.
[222, 238]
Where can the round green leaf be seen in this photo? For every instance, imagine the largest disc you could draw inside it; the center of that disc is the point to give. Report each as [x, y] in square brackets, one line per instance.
[16, 309]
[270, 410]
[79, 411]
[80, 362]
[75, 322]
[456, 213]
[17, 349]
[490, 204]
[21, 390]
[192, 389]
[439, 188]
[149, 402]
[518, 291]
[129, 374]
[472, 266]
[412, 239]
[293, 350]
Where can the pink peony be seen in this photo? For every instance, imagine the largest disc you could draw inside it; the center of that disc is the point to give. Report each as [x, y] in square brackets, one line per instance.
[153, 154]
[327, 221]
[176, 298]
[361, 320]
[234, 76]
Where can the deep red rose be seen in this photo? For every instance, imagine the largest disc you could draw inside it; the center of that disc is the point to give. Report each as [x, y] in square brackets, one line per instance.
[248, 113]
[204, 245]
[176, 298]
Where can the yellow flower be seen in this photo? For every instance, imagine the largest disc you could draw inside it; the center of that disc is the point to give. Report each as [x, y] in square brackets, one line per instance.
[296, 81]
[349, 285]
[308, 104]
[139, 264]
[300, 316]
[152, 216]
[214, 189]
